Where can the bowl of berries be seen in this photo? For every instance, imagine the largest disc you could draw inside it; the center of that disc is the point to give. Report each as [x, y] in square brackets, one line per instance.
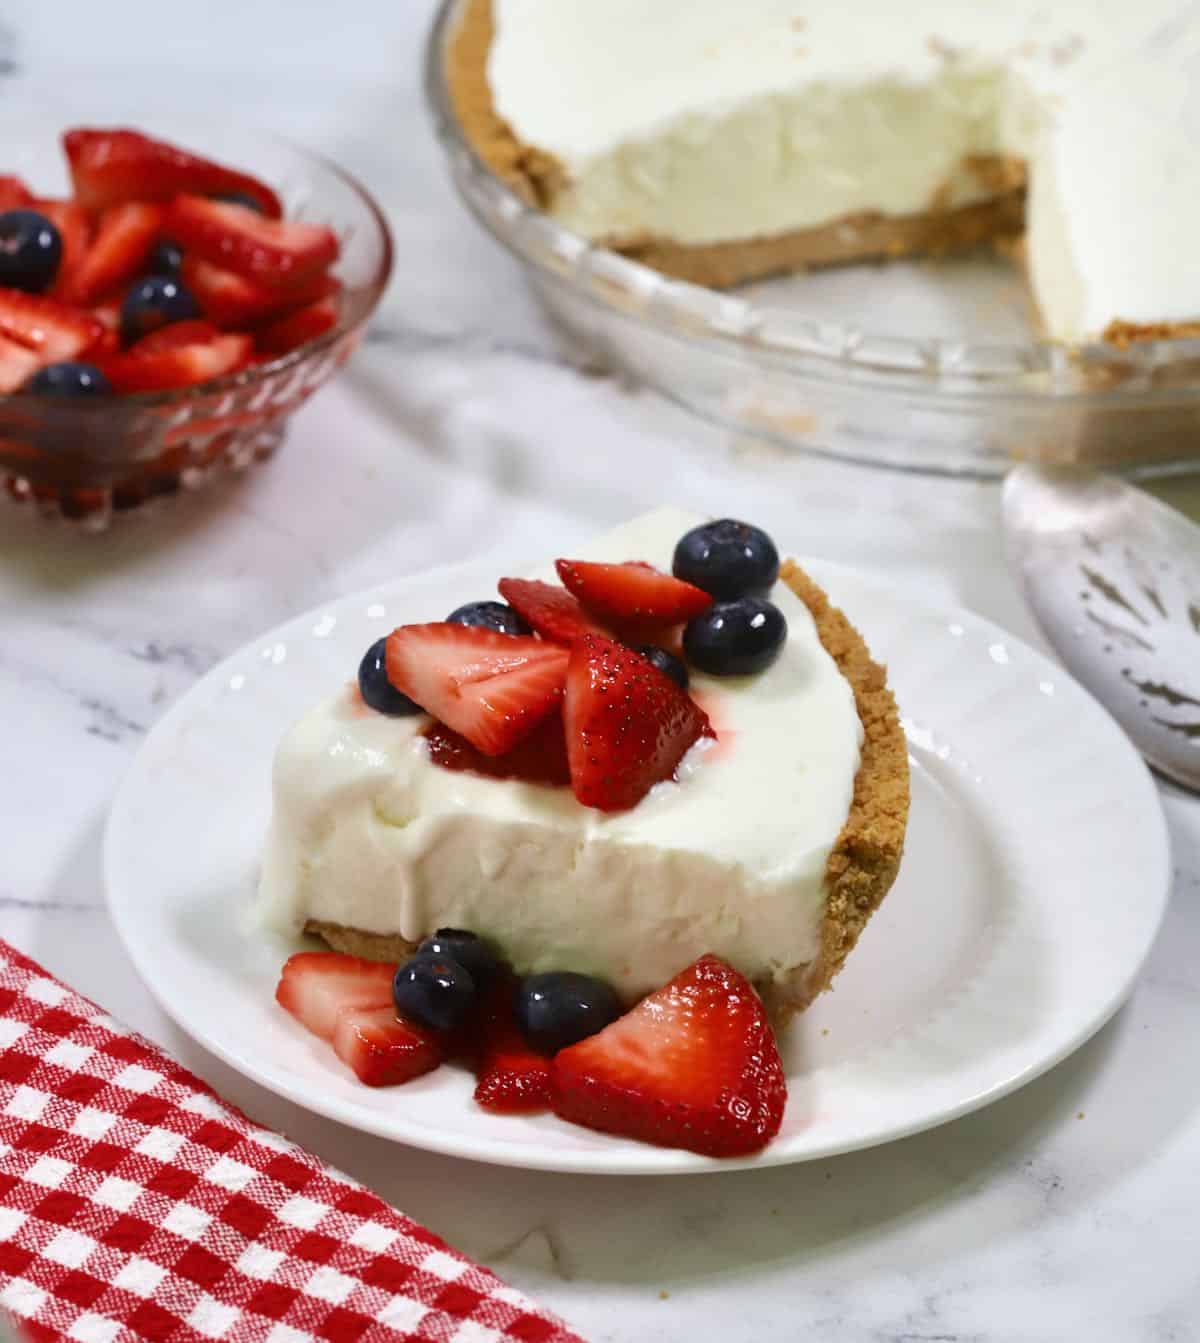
[163, 310]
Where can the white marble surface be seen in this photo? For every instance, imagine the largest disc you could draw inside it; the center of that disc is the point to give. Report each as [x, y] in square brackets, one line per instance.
[1063, 1212]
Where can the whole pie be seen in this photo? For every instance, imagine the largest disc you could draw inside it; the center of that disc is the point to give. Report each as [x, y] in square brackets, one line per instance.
[722, 142]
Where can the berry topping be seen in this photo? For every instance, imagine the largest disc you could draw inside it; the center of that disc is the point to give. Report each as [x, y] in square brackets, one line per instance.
[31, 250]
[110, 167]
[560, 1008]
[551, 610]
[180, 355]
[53, 330]
[540, 758]
[492, 688]
[665, 662]
[377, 691]
[298, 328]
[17, 365]
[124, 237]
[694, 1065]
[153, 303]
[632, 592]
[627, 724]
[69, 379]
[76, 234]
[468, 949]
[736, 638]
[243, 198]
[383, 1049]
[512, 1078]
[166, 257]
[314, 986]
[434, 991]
[231, 300]
[271, 251]
[727, 559]
[490, 616]
[14, 194]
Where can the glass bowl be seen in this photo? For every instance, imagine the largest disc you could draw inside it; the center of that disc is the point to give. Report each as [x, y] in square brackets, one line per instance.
[959, 388]
[90, 460]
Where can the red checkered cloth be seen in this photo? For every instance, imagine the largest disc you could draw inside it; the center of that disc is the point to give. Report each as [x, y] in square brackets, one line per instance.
[135, 1203]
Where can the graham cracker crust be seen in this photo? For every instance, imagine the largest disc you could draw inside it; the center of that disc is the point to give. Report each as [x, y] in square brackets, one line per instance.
[864, 860]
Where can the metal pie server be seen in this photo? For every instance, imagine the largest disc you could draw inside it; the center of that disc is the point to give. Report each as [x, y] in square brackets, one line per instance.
[1113, 578]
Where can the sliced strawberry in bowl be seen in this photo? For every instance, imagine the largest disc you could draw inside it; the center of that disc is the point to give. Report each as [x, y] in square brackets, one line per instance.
[695, 1065]
[492, 688]
[298, 328]
[511, 1078]
[14, 194]
[18, 363]
[172, 358]
[75, 230]
[54, 330]
[383, 1049]
[112, 166]
[628, 725]
[124, 236]
[550, 610]
[232, 300]
[636, 592]
[314, 986]
[271, 251]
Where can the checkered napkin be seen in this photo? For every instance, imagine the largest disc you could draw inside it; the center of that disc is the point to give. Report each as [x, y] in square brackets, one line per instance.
[135, 1204]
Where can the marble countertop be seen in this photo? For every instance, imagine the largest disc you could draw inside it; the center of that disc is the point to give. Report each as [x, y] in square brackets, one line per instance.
[1062, 1212]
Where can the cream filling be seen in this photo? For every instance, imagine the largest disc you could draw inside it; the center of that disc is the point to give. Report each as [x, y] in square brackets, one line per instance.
[367, 832]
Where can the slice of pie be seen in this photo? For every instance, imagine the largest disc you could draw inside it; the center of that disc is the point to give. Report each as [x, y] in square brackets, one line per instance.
[768, 836]
[723, 142]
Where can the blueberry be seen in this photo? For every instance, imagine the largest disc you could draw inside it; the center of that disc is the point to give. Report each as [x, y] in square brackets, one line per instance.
[560, 1008]
[468, 949]
[165, 259]
[735, 638]
[30, 250]
[728, 559]
[69, 379]
[434, 991]
[489, 616]
[377, 691]
[243, 198]
[665, 662]
[155, 302]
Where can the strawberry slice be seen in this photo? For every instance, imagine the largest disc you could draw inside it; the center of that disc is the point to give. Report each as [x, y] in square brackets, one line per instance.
[492, 688]
[111, 167]
[54, 330]
[14, 194]
[180, 359]
[634, 592]
[627, 724]
[271, 251]
[694, 1065]
[298, 328]
[76, 234]
[231, 300]
[511, 1078]
[552, 611]
[124, 237]
[540, 758]
[18, 364]
[383, 1049]
[314, 986]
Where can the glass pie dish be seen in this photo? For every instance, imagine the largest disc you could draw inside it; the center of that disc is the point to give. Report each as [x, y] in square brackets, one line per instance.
[87, 459]
[921, 366]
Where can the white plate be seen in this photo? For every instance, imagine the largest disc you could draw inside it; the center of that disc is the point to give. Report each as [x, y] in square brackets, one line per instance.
[1035, 878]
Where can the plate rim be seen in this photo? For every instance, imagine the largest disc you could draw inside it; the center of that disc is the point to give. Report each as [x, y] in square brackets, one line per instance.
[620, 1161]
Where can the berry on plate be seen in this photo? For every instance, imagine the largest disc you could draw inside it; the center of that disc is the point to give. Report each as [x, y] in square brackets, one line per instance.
[540, 758]
[110, 167]
[665, 662]
[434, 991]
[383, 1049]
[53, 330]
[69, 379]
[31, 250]
[124, 236]
[271, 251]
[737, 638]
[694, 1065]
[636, 592]
[551, 610]
[560, 1007]
[492, 688]
[628, 724]
[377, 691]
[511, 1077]
[490, 616]
[177, 356]
[727, 558]
[314, 986]
[468, 949]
